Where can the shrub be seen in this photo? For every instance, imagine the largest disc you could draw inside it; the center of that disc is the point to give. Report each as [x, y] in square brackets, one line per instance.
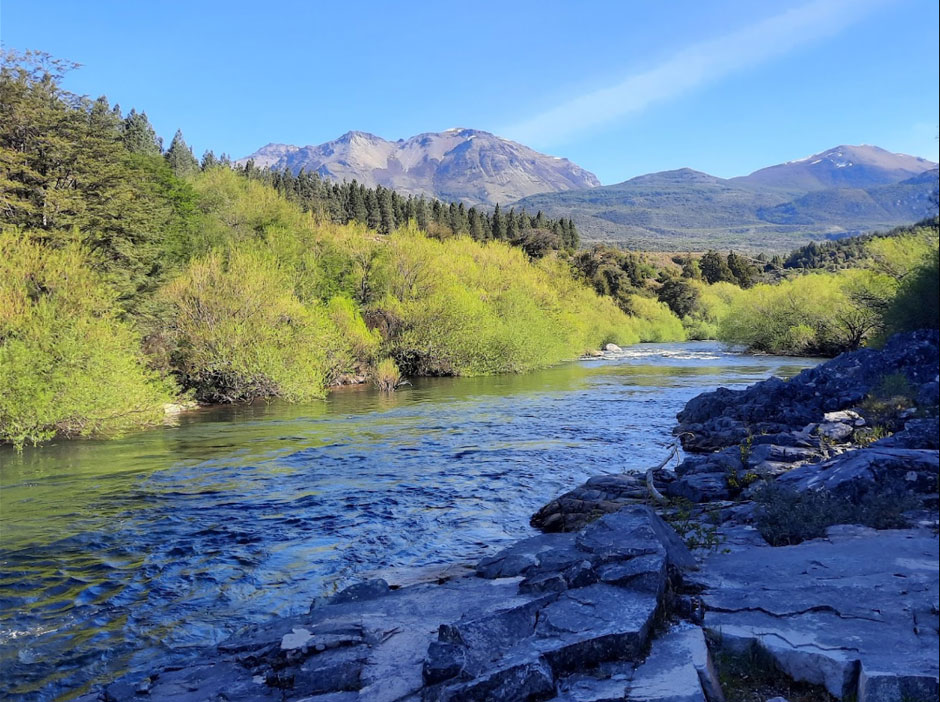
[786, 517]
[816, 314]
[68, 365]
[386, 377]
[917, 304]
[240, 333]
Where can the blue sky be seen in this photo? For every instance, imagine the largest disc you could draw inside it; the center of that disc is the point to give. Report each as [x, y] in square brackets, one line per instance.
[621, 88]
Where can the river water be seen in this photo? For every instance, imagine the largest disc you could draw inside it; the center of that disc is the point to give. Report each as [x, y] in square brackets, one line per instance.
[125, 555]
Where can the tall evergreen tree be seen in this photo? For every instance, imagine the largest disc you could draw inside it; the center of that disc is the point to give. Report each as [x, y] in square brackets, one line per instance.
[139, 136]
[181, 160]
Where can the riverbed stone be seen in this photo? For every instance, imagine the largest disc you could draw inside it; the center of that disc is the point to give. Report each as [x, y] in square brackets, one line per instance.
[855, 474]
[523, 555]
[834, 612]
[633, 531]
[725, 417]
[679, 668]
[599, 495]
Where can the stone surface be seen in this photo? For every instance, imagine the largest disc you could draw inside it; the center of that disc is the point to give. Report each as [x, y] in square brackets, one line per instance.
[855, 474]
[533, 615]
[679, 668]
[723, 418]
[856, 612]
[600, 495]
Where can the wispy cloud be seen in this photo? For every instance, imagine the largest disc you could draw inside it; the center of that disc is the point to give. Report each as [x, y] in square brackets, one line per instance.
[691, 68]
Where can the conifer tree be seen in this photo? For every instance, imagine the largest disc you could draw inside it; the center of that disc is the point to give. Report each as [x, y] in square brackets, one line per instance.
[498, 225]
[181, 160]
[139, 136]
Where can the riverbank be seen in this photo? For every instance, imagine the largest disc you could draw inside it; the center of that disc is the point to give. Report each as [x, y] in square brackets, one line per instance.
[135, 553]
[621, 609]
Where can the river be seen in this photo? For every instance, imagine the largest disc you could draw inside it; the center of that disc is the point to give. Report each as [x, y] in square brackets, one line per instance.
[128, 554]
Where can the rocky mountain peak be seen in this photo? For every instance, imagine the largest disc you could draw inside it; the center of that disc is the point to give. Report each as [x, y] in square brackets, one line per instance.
[463, 164]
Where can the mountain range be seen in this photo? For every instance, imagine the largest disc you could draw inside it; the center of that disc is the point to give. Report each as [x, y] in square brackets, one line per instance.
[843, 191]
[462, 165]
[839, 192]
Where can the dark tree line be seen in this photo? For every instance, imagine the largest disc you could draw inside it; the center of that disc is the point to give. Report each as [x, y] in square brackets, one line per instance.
[384, 210]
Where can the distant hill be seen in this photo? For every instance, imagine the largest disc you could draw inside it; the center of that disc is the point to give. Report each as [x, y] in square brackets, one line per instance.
[841, 167]
[843, 191]
[463, 165]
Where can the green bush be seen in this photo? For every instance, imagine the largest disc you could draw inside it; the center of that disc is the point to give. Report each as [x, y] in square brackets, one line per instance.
[68, 365]
[786, 517]
[917, 305]
[816, 314]
[240, 333]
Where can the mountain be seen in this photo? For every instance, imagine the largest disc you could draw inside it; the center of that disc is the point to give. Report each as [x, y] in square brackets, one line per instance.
[843, 191]
[464, 165]
[862, 166]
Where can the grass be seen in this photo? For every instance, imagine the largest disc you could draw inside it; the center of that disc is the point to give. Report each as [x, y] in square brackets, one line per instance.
[752, 676]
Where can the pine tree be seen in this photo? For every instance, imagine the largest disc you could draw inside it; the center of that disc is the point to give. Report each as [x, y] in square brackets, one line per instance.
[181, 160]
[138, 136]
[498, 224]
[386, 212]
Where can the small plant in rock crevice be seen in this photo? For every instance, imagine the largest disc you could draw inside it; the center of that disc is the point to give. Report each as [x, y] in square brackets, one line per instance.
[691, 528]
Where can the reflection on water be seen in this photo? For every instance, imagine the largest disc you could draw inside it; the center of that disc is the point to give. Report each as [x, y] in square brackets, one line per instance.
[123, 555]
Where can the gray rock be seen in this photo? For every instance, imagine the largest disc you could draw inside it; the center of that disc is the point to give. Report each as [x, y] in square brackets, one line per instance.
[679, 668]
[613, 348]
[607, 683]
[701, 487]
[634, 531]
[585, 627]
[834, 612]
[644, 573]
[368, 590]
[835, 431]
[726, 417]
[516, 682]
[855, 474]
[917, 434]
[522, 556]
[600, 495]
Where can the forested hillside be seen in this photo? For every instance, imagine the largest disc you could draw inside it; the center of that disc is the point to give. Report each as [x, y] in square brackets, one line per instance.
[131, 276]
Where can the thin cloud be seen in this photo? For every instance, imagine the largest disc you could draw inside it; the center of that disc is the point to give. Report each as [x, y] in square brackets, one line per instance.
[692, 68]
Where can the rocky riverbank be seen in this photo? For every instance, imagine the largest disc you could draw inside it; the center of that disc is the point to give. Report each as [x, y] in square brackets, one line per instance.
[788, 585]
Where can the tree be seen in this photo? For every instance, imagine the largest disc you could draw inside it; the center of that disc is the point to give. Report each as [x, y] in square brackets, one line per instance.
[180, 157]
[138, 136]
[680, 294]
[715, 268]
[744, 272]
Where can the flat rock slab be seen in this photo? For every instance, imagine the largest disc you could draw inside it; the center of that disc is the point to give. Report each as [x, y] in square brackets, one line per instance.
[538, 612]
[678, 669]
[856, 612]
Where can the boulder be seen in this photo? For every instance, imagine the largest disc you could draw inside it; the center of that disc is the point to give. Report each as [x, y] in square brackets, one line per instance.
[855, 474]
[726, 417]
[679, 668]
[600, 495]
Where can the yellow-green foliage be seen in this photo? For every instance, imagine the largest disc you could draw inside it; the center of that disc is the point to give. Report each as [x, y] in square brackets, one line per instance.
[654, 321]
[897, 256]
[810, 314]
[240, 332]
[467, 308]
[386, 377]
[361, 342]
[714, 302]
[68, 365]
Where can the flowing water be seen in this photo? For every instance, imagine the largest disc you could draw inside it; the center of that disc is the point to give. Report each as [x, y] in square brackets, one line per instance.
[125, 555]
